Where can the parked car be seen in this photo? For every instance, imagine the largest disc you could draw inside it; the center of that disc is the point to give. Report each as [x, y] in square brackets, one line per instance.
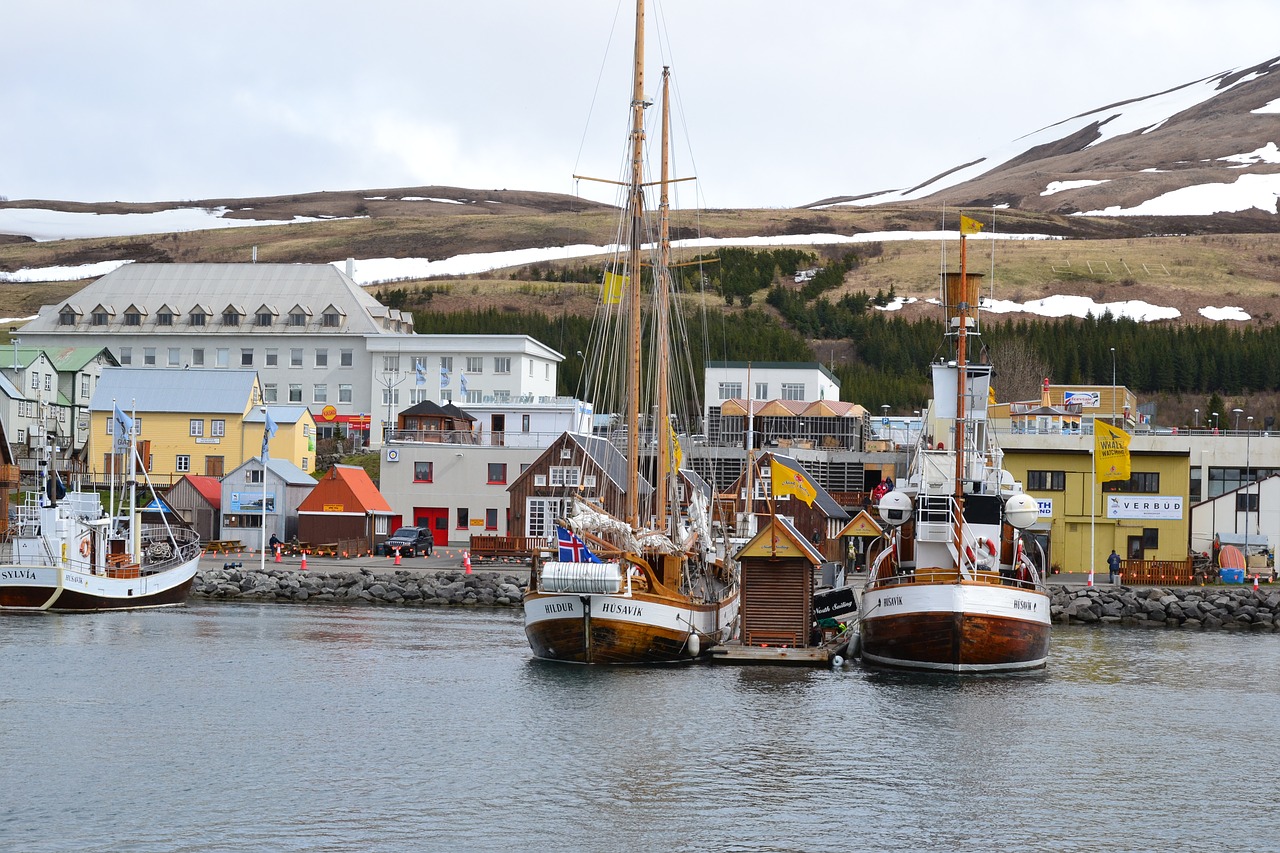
[411, 541]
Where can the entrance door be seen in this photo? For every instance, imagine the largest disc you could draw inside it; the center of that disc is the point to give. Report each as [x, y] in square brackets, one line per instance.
[498, 426]
[213, 466]
[1135, 547]
[435, 519]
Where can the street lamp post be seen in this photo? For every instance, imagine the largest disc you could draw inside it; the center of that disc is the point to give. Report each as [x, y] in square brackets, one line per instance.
[1215, 421]
[1237, 411]
[1248, 487]
[1113, 386]
[1197, 421]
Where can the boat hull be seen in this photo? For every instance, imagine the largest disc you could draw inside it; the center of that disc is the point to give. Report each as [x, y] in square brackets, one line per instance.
[622, 629]
[955, 627]
[56, 589]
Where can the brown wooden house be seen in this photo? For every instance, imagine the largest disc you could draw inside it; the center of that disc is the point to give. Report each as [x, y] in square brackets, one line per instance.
[820, 522]
[777, 586]
[428, 421]
[197, 500]
[345, 509]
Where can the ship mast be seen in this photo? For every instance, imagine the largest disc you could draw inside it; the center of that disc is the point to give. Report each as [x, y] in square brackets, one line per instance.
[662, 281]
[635, 205]
[962, 371]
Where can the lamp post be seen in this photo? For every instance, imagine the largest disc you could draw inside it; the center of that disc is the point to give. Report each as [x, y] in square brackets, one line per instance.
[1113, 386]
[1248, 485]
[1238, 411]
[1215, 421]
[1196, 425]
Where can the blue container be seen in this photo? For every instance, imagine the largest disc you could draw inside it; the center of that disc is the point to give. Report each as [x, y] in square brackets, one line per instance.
[1232, 575]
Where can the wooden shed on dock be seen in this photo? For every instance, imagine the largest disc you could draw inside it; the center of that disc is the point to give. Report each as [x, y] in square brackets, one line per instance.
[777, 586]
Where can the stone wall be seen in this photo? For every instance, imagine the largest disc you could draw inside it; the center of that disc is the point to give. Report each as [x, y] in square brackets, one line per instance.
[413, 589]
[1193, 608]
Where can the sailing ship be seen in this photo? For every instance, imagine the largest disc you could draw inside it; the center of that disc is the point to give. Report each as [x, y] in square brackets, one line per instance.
[959, 587]
[62, 551]
[643, 582]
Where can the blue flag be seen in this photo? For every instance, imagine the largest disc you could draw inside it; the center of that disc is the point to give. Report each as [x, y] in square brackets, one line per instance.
[573, 549]
[422, 374]
[462, 383]
[444, 378]
[268, 434]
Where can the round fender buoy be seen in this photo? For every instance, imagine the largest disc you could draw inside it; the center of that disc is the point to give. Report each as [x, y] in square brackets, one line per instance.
[694, 645]
[837, 661]
[855, 646]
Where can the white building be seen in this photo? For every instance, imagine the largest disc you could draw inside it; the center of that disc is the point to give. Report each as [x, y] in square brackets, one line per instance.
[766, 380]
[314, 336]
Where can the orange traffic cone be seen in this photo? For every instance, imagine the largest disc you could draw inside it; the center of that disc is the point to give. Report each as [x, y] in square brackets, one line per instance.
[1091, 577]
[304, 561]
[1255, 583]
[279, 559]
[466, 561]
[397, 556]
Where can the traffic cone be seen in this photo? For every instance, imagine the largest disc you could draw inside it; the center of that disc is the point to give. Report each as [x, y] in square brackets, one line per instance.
[466, 561]
[397, 556]
[304, 561]
[1255, 583]
[1090, 577]
[279, 559]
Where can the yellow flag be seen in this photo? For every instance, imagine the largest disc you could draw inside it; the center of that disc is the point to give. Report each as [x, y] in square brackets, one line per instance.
[789, 481]
[969, 226]
[991, 395]
[614, 285]
[1110, 452]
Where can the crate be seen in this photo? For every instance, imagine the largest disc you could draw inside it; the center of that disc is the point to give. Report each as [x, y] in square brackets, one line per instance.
[1232, 575]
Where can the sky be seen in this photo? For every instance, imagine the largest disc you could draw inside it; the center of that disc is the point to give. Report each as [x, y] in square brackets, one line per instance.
[777, 104]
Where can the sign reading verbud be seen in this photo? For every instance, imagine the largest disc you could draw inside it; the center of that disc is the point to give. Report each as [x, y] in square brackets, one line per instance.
[1161, 507]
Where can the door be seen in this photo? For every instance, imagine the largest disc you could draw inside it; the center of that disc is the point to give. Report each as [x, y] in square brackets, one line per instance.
[1135, 547]
[213, 466]
[498, 426]
[435, 519]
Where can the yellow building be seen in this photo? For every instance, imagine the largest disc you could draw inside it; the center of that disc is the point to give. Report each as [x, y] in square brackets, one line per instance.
[1144, 518]
[192, 422]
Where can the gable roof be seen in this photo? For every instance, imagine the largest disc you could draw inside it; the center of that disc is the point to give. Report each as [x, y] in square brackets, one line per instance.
[349, 486]
[162, 389]
[210, 488]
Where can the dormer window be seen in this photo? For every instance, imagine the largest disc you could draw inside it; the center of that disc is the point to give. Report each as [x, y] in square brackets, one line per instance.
[265, 318]
[164, 317]
[332, 320]
[101, 318]
[132, 318]
[67, 317]
[230, 318]
[297, 318]
[197, 318]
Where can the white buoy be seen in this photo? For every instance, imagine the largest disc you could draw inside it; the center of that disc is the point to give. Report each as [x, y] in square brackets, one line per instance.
[694, 645]
[837, 661]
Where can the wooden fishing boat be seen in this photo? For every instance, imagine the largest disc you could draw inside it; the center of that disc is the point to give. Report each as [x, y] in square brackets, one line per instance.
[642, 582]
[957, 589]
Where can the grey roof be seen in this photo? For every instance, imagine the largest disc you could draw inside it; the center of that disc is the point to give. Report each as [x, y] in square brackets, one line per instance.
[161, 389]
[214, 287]
[8, 389]
[279, 414]
[609, 458]
[291, 474]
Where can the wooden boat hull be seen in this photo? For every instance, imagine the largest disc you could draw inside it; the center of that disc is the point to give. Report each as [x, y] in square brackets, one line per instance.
[51, 588]
[622, 629]
[955, 627]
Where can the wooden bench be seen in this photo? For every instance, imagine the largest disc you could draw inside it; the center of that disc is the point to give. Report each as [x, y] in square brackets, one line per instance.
[509, 547]
[223, 546]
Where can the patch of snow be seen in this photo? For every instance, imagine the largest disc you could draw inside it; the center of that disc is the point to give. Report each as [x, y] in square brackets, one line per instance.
[74, 273]
[1269, 107]
[1059, 186]
[1062, 305]
[1225, 313]
[1268, 153]
[1260, 191]
[375, 198]
[18, 319]
[897, 303]
[43, 225]
[1155, 170]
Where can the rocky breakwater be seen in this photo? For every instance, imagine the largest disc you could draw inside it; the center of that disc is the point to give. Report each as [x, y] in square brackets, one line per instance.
[1195, 608]
[408, 589]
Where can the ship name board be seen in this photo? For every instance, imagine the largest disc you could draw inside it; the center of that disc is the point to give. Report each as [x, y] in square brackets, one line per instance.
[620, 609]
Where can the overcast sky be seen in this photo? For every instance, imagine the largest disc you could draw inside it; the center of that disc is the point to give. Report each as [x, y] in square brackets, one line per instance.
[780, 103]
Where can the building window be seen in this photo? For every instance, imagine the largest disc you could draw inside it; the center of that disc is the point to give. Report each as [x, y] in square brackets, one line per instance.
[391, 396]
[126, 355]
[497, 473]
[422, 472]
[295, 357]
[524, 423]
[344, 393]
[217, 428]
[197, 427]
[730, 390]
[464, 518]
[246, 358]
[793, 390]
[164, 318]
[391, 364]
[182, 464]
[762, 391]
[320, 393]
[1151, 537]
[1142, 482]
[100, 318]
[149, 355]
[502, 364]
[222, 357]
[48, 380]
[490, 519]
[541, 513]
[475, 397]
[84, 386]
[197, 357]
[345, 358]
[304, 463]
[446, 363]
[197, 318]
[1246, 501]
[322, 358]
[230, 318]
[269, 392]
[265, 318]
[1047, 481]
[67, 318]
[132, 318]
[331, 320]
[297, 318]
[253, 475]
[475, 364]
[272, 357]
[175, 356]
[565, 475]
[295, 392]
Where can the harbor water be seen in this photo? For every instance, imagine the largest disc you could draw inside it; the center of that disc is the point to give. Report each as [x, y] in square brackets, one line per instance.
[232, 727]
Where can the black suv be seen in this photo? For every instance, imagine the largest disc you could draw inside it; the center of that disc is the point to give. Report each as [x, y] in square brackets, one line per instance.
[410, 540]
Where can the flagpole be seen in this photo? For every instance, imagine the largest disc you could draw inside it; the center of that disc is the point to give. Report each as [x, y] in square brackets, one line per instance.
[1093, 498]
[265, 439]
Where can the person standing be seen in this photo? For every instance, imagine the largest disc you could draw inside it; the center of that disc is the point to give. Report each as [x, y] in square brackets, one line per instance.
[1113, 564]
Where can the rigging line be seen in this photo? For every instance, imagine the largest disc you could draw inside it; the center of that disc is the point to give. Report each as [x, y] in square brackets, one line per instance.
[595, 93]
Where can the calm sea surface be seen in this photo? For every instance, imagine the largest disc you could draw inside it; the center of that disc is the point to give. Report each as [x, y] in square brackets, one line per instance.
[261, 728]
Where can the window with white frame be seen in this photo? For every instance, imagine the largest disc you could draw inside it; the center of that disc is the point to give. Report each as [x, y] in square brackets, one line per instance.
[475, 364]
[175, 356]
[565, 475]
[223, 356]
[217, 428]
[272, 357]
[762, 391]
[197, 357]
[391, 395]
[344, 393]
[295, 392]
[730, 390]
[793, 390]
[126, 355]
[446, 363]
[84, 385]
[269, 392]
[197, 427]
[246, 357]
[149, 355]
[182, 464]
[295, 357]
[320, 393]
[391, 364]
[345, 358]
[322, 357]
[541, 513]
[502, 364]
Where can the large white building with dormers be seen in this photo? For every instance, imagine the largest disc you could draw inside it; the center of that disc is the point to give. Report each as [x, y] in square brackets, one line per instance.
[313, 335]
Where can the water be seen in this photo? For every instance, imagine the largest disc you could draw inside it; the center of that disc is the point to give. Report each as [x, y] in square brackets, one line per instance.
[222, 727]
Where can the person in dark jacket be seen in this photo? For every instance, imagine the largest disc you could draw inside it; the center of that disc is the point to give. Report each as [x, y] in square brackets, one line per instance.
[1113, 564]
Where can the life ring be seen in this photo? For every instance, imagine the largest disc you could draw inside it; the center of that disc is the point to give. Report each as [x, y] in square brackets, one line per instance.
[84, 548]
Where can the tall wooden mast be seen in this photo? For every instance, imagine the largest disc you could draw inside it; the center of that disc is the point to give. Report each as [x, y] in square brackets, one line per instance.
[635, 243]
[662, 281]
[962, 371]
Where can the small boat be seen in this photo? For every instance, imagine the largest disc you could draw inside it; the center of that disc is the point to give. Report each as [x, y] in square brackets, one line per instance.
[62, 551]
[643, 581]
[958, 588]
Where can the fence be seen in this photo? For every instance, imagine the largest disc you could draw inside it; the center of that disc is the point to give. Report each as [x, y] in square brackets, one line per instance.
[1158, 572]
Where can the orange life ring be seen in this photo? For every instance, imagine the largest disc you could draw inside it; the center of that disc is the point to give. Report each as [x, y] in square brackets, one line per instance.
[84, 548]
